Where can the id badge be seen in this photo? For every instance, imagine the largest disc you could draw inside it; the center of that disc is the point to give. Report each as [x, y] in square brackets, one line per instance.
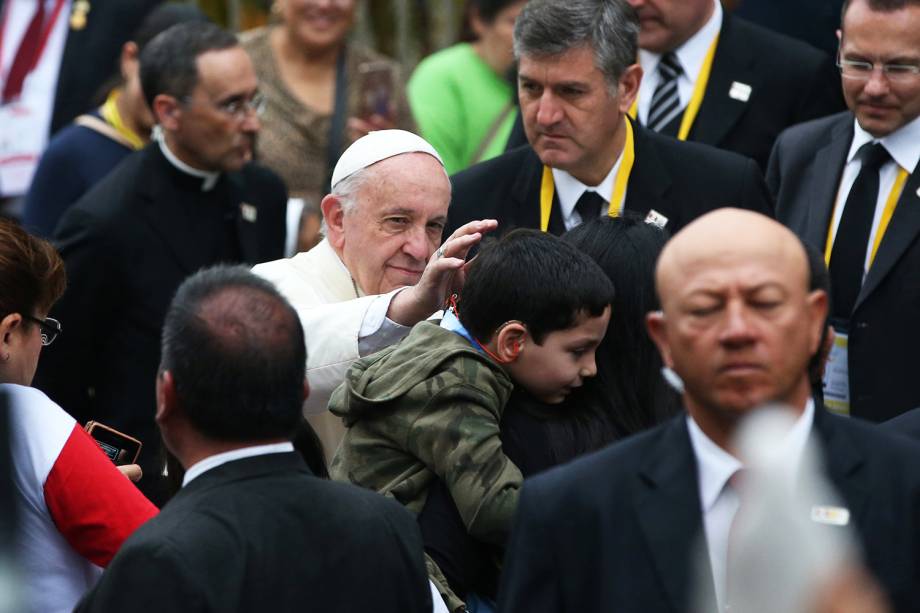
[837, 376]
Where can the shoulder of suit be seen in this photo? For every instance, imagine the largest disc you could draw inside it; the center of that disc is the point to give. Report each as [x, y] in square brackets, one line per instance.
[689, 154]
[262, 181]
[107, 199]
[881, 445]
[813, 129]
[774, 47]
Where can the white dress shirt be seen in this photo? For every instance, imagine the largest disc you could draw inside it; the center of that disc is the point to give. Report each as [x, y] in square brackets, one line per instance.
[719, 501]
[691, 56]
[569, 190]
[199, 468]
[904, 147]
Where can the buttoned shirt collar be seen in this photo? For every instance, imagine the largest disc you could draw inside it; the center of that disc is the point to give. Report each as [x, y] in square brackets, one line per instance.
[715, 466]
[199, 468]
[569, 190]
[903, 144]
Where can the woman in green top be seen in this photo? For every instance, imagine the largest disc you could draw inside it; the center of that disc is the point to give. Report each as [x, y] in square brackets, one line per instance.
[461, 96]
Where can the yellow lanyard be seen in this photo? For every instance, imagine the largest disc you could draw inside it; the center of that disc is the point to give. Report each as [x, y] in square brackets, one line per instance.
[113, 118]
[887, 212]
[696, 100]
[548, 187]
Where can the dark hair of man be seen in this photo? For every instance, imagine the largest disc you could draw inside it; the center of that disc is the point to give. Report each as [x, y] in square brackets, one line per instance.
[881, 6]
[546, 28]
[487, 10]
[32, 276]
[535, 278]
[169, 62]
[235, 348]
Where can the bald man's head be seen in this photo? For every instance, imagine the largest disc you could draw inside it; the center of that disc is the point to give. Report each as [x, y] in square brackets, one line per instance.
[738, 322]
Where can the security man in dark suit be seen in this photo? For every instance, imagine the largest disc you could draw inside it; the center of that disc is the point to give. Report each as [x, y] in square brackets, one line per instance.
[717, 79]
[849, 185]
[252, 529]
[577, 79]
[618, 530]
[188, 200]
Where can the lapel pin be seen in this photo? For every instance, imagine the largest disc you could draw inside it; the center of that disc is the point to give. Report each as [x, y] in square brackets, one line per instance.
[831, 516]
[249, 212]
[740, 91]
[656, 219]
[918, 192]
[81, 9]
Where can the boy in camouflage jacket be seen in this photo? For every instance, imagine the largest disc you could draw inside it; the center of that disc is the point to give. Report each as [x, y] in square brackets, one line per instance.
[532, 312]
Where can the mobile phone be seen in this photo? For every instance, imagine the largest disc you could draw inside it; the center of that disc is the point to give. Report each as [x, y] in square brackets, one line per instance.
[121, 448]
[375, 81]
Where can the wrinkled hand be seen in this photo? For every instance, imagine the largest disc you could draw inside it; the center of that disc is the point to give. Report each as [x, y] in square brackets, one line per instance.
[131, 471]
[358, 127]
[444, 274]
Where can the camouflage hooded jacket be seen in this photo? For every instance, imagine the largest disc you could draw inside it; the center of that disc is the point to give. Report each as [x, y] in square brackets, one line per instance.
[430, 406]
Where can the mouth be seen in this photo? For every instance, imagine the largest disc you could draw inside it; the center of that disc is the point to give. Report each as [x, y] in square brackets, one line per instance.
[407, 272]
[740, 369]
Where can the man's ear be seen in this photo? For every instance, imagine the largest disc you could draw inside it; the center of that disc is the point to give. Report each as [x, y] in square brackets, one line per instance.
[817, 308]
[306, 389]
[656, 325]
[628, 87]
[128, 60]
[167, 111]
[334, 216]
[166, 397]
[510, 341]
[8, 325]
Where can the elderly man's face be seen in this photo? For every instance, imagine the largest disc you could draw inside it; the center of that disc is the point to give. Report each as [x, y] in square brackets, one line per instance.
[572, 119]
[739, 325]
[667, 24]
[386, 239]
[206, 131]
[882, 103]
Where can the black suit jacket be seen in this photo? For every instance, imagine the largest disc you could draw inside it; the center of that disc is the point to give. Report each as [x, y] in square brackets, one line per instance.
[618, 530]
[127, 246]
[804, 175]
[679, 180]
[263, 534]
[790, 82]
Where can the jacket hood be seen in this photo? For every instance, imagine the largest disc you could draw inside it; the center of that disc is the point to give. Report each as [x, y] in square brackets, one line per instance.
[375, 381]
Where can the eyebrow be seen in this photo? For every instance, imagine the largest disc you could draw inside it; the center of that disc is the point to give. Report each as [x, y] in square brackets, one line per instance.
[409, 213]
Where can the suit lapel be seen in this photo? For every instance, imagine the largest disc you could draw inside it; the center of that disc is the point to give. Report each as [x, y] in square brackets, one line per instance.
[164, 209]
[719, 112]
[649, 180]
[246, 219]
[525, 194]
[824, 179]
[668, 507]
[901, 233]
[843, 464]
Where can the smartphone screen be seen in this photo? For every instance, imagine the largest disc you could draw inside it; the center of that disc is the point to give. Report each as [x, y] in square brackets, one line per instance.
[120, 448]
[376, 89]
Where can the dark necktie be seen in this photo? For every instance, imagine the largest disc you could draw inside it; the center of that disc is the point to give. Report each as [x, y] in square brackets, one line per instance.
[589, 206]
[848, 256]
[25, 58]
[665, 105]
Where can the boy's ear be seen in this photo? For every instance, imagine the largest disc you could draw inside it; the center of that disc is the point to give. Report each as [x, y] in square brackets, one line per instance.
[510, 341]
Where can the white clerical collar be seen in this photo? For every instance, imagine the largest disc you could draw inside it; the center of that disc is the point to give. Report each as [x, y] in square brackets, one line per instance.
[692, 53]
[359, 293]
[199, 468]
[903, 145]
[208, 178]
[569, 189]
[715, 466]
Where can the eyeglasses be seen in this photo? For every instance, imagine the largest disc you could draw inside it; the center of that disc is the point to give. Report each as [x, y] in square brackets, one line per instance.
[237, 108]
[861, 71]
[49, 326]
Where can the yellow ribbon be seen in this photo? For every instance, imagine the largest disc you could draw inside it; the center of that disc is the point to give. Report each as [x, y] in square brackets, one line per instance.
[696, 100]
[887, 212]
[112, 117]
[548, 187]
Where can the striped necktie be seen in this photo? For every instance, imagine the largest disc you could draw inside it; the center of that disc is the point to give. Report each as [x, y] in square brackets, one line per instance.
[665, 104]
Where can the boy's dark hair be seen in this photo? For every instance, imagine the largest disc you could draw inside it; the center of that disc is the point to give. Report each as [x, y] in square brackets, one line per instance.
[535, 278]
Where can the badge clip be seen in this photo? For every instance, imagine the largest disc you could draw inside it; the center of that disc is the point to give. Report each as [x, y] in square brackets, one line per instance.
[249, 212]
[740, 91]
[831, 516]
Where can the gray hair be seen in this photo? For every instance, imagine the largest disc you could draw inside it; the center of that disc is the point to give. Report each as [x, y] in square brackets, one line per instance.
[552, 27]
[346, 191]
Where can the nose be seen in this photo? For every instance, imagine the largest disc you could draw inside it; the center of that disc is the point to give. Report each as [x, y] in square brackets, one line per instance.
[737, 329]
[877, 84]
[417, 246]
[588, 366]
[549, 111]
